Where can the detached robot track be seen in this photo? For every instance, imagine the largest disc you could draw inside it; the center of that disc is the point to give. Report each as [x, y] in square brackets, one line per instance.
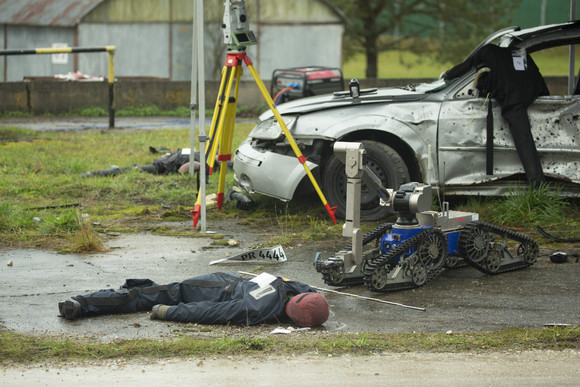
[421, 244]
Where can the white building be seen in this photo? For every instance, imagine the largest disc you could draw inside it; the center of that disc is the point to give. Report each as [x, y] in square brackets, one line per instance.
[154, 37]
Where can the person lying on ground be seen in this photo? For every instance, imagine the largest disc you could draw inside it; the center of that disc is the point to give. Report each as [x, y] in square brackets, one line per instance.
[174, 162]
[217, 298]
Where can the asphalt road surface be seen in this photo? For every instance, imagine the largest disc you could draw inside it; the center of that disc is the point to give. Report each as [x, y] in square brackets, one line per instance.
[460, 300]
[535, 368]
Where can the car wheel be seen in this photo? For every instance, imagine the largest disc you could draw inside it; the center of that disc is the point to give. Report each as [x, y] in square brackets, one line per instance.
[384, 162]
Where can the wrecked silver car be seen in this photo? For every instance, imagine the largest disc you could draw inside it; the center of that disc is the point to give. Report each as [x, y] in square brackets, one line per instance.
[435, 133]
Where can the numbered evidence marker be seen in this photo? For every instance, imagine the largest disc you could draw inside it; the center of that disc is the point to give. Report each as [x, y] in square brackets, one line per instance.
[273, 254]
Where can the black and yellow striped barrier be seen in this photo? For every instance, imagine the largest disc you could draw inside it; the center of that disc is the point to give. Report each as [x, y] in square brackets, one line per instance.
[78, 50]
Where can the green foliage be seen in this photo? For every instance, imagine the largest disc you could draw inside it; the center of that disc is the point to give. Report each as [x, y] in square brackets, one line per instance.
[13, 219]
[66, 221]
[11, 134]
[141, 111]
[531, 207]
[90, 112]
[15, 114]
[27, 349]
[395, 64]
[250, 111]
[46, 171]
[152, 111]
[137, 111]
[483, 206]
[466, 24]
[452, 27]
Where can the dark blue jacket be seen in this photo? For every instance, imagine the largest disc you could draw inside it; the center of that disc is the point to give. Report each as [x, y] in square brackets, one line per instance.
[217, 298]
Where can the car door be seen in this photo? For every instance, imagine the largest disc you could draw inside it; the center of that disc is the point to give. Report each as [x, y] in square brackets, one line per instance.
[555, 126]
[462, 138]
[555, 122]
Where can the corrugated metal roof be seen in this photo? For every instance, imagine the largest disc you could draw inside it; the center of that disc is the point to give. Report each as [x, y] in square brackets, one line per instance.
[68, 13]
[62, 13]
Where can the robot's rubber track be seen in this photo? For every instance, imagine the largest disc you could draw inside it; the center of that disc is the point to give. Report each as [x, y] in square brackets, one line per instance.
[387, 261]
[369, 237]
[508, 234]
[373, 235]
[329, 268]
[346, 281]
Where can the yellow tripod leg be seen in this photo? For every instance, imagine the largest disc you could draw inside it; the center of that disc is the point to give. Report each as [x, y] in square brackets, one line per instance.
[293, 145]
[220, 112]
[227, 139]
[222, 118]
[216, 114]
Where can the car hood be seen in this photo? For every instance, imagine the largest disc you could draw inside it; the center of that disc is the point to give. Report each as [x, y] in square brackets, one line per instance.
[330, 101]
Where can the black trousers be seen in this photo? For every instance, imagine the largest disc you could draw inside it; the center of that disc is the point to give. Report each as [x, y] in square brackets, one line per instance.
[519, 122]
[142, 294]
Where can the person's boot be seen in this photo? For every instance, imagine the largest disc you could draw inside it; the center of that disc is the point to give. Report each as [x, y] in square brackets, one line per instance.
[70, 309]
[159, 312]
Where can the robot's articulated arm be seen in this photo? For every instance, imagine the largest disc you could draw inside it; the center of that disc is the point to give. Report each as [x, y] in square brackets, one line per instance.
[410, 199]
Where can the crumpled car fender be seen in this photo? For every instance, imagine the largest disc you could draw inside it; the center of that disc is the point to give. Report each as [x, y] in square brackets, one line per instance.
[413, 130]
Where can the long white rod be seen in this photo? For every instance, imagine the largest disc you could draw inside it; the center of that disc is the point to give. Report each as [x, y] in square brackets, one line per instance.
[201, 90]
[193, 98]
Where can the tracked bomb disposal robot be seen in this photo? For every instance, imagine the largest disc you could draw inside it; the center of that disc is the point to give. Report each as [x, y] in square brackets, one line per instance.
[421, 244]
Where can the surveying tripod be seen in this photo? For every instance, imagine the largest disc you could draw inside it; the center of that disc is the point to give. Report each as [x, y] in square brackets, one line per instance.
[237, 36]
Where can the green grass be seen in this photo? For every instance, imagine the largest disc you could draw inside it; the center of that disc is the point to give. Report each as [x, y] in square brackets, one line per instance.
[524, 208]
[406, 64]
[395, 64]
[554, 61]
[141, 111]
[27, 349]
[16, 134]
[531, 207]
[43, 169]
[40, 170]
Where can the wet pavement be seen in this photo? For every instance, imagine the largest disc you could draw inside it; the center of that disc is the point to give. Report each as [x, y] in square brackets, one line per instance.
[459, 300]
[48, 124]
[531, 368]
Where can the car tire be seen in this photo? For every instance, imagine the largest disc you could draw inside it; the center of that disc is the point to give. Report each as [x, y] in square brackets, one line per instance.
[384, 161]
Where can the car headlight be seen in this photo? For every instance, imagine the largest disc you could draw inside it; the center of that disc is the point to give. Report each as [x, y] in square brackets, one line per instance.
[270, 129]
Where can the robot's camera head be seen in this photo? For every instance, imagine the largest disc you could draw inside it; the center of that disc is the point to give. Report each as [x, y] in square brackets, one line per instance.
[410, 199]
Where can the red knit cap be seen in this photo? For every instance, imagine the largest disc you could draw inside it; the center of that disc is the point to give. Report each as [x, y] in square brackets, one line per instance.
[308, 309]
